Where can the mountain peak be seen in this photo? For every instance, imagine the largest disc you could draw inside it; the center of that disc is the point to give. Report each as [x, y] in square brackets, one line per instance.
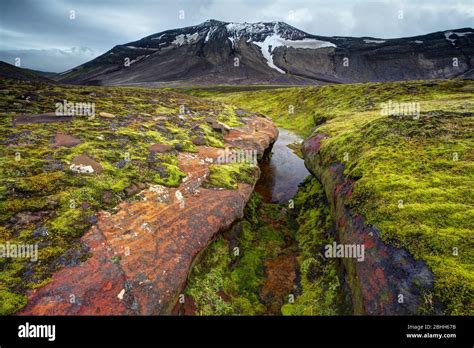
[212, 22]
[272, 52]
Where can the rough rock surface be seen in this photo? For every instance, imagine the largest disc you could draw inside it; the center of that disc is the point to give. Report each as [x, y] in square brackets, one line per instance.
[65, 140]
[386, 272]
[84, 161]
[141, 256]
[41, 118]
[160, 148]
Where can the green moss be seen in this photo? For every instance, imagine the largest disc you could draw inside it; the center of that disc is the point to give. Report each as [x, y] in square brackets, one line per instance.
[413, 183]
[11, 302]
[229, 175]
[229, 117]
[208, 278]
[173, 178]
[239, 271]
[321, 292]
[212, 138]
[300, 109]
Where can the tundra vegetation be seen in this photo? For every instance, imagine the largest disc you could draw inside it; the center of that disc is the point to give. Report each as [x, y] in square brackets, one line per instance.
[44, 202]
[413, 175]
[413, 181]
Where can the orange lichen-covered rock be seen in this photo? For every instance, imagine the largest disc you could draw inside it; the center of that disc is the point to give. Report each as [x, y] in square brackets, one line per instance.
[142, 254]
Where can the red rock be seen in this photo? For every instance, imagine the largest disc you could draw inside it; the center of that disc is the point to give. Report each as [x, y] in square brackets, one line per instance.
[160, 148]
[84, 161]
[156, 239]
[279, 281]
[224, 296]
[65, 140]
[186, 308]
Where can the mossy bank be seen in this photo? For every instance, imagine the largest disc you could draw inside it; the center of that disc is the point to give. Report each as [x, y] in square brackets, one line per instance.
[410, 175]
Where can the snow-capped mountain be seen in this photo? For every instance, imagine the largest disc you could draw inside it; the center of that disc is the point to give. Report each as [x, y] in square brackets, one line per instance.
[216, 52]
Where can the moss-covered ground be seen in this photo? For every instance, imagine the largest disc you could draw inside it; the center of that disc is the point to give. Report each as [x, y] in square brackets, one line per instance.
[43, 202]
[232, 277]
[413, 181]
[229, 275]
[413, 176]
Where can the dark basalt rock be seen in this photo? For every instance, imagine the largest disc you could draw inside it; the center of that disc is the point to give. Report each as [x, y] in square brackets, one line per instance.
[199, 140]
[178, 147]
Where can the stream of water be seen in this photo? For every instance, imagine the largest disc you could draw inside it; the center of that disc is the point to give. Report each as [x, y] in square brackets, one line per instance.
[282, 172]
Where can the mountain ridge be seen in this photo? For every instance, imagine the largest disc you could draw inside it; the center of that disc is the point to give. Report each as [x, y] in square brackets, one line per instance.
[216, 52]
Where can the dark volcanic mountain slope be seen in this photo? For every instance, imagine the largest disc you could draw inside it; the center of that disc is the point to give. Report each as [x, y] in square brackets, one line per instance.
[217, 52]
[9, 71]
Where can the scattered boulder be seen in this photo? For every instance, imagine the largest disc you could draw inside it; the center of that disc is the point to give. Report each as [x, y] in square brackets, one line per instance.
[241, 112]
[25, 218]
[199, 140]
[195, 125]
[217, 126]
[40, 118]
[83, 164]
[160, 148]
[65, 140]
[178, 147]
[134, 189]
[106, 115]
[161, 129]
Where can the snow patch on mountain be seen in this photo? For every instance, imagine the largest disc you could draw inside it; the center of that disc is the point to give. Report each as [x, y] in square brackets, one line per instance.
[374, 41]
[158, 37]
[209, 33]
[142, 48]
[271, 42]
[185, 39]
[459, 34]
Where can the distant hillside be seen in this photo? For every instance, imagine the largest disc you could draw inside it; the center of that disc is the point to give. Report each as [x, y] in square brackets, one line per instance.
[9, 71]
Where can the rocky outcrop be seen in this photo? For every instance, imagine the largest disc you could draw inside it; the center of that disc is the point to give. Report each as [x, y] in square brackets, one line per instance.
[389, 281]
[140, 256]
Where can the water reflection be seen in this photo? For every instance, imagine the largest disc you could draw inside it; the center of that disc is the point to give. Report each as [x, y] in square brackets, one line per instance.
[281, 173]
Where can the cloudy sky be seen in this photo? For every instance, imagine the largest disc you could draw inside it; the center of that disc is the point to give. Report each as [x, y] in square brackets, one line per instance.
[46, 37]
